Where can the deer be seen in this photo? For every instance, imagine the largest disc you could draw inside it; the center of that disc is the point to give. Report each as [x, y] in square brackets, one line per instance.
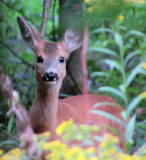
[47, 111]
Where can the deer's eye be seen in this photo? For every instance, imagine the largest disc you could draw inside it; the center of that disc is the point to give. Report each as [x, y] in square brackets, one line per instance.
[40, 59]
[61, 60]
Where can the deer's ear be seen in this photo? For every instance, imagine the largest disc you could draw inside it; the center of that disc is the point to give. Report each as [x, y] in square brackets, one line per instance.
[29, 34]
[72, 39]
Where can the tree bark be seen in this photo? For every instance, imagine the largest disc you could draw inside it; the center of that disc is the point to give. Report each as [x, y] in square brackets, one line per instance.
[46, 7]
[70, 13]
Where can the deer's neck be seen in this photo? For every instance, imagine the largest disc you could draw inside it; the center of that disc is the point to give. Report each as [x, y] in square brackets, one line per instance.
[44, 108]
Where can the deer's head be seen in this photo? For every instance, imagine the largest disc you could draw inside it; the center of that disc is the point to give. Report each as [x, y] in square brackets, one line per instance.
[50, 57]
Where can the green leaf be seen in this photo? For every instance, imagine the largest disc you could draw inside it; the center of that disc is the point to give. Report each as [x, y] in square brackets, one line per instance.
[136, 33]
[8, 142]
[123, 88]
[105, 50]
[133, 74]
[130, 129]
[133, 104]
[10, 123]
[28, 57]
[131, 55]
[114, 91]
[125, 115]
[128, 146]
[118, 40]
[141, 124]
[107, 115]
[142, 72]
[114, 64]
[100, 74]
[101, 30]
[113, 130]
[106, 104]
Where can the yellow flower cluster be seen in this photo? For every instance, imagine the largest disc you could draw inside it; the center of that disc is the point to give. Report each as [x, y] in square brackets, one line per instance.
[62, 127]
[98, 4]
[106, 151]
[62, 151]
[44, 135]
[121, 18]
[88, 1]
[58, 150]
[12, 154]
[94, 4]
[108, 140]
[143, 95]
[1, 152]
[136, 1]
[144, 66]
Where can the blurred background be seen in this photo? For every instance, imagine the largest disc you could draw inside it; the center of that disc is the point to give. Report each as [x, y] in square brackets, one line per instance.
[116, 55]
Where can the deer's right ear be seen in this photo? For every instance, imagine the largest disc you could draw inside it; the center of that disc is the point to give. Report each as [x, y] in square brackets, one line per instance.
[72, 39]
[29, 34]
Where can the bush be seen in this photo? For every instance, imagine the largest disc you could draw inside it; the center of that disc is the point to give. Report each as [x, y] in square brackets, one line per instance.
[59, 150]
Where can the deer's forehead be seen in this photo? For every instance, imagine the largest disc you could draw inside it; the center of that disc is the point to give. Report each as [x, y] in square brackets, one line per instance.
[48, 49]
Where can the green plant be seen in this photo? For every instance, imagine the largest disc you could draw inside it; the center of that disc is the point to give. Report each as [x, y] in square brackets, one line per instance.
[68, 131]
[122, 64]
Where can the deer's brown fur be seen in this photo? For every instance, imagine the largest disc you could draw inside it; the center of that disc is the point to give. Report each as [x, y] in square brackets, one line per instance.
[46, 111]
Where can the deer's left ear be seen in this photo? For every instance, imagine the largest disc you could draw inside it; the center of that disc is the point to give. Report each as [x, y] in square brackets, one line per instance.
[72, 39]
[29, 34]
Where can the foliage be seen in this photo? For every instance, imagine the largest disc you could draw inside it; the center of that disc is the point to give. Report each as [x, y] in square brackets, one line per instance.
[99, 11]
[121, 50]
[107, 149]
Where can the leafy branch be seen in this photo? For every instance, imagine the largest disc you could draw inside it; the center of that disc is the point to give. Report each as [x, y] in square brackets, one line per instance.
[3, 1]
[14, 53]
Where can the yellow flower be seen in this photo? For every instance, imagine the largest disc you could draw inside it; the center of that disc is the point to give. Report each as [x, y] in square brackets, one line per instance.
[81, 156]
[87, 1]
[144, 66]
[137, 1]
[109, 140]
[93, 158]
[44, 135]
[134, 157]
[76, 152]
[12, 154]
[107, 153]
[141, 1]
[90, 150]
[143, 95]
[1, 152]
[60, 129]
[121, 18]
[123, 156]
[57, 150]
[53, 144]
[90, 9]
[143, 157]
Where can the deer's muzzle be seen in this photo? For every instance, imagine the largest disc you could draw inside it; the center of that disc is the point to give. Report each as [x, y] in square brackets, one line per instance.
[50, 77]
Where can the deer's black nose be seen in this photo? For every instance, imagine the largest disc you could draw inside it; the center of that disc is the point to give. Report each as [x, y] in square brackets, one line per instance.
[50, 77]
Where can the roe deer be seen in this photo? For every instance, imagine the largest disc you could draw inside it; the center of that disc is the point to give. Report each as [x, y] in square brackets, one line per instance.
[47, 111]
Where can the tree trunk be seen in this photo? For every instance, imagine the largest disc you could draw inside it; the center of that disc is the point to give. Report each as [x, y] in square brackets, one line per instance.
[70, 13]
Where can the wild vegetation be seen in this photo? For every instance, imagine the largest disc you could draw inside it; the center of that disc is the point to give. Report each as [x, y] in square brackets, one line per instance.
[116, 67]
